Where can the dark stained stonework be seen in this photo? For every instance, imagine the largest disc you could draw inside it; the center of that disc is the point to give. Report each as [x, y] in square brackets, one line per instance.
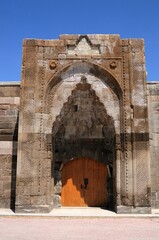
[80, 96]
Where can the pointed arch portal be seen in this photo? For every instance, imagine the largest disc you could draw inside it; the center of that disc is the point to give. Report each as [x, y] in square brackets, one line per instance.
[83, 98]
[83, 131]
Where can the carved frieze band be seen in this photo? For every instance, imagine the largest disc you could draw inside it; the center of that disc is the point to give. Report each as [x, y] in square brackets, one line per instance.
[125, 127]
[42, 77]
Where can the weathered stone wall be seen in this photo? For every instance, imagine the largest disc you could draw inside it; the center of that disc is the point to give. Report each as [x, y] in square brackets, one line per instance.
[153, 103]
[9, 107]
[9, 104]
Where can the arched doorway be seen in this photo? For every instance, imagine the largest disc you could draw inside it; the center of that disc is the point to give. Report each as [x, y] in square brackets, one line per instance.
[84, 183]
[83, 130]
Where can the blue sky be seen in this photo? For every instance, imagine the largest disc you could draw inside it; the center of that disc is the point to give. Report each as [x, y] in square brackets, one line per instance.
[47, 19]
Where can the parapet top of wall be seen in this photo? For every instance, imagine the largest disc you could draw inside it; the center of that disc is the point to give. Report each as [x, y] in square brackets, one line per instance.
[153, 84]
[9, 89]
[2, 84]
[153, 88]
[66, 39]
[92, 36]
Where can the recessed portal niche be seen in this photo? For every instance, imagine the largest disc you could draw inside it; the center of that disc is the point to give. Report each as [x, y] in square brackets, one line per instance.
[83, 129]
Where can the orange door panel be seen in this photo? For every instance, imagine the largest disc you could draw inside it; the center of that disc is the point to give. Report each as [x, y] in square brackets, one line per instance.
[84, 183]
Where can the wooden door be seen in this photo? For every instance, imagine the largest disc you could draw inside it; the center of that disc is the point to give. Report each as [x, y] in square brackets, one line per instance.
[84, 183]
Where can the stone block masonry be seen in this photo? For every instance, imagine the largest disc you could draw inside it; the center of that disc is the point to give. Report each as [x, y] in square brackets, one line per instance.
[153, 103]
[9, 109]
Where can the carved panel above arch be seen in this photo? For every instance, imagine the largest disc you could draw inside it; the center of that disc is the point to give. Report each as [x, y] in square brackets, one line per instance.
[83, 127]
[61, 92]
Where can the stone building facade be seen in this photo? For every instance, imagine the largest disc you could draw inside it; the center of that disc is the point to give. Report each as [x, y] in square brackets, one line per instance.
[82, 100]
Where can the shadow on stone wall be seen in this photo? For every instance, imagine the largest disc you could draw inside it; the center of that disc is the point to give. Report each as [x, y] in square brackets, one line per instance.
[83, 128]
[14, 166]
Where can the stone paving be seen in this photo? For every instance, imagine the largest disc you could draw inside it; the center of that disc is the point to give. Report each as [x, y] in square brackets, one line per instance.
[77, 223]
[29, 228]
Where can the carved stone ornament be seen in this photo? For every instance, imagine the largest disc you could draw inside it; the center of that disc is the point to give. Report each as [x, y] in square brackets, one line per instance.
[113, 65]
[53, 64]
